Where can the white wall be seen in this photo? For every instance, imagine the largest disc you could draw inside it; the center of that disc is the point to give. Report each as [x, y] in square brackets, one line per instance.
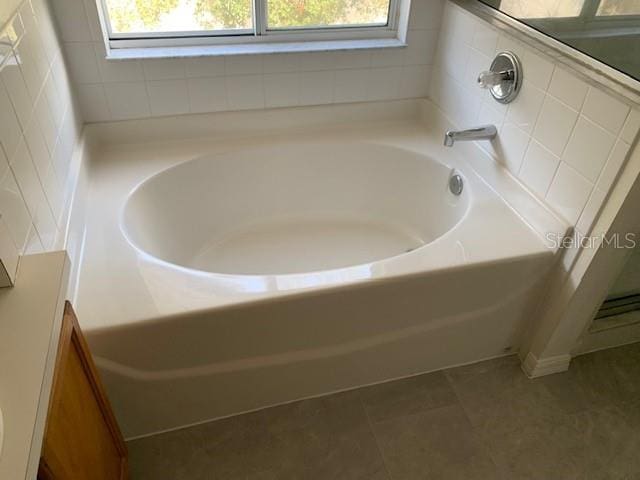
[123, 89]
[564, 139]
[39, 131]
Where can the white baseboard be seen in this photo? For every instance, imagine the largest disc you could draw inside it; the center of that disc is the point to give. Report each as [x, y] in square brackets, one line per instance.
[539, 367]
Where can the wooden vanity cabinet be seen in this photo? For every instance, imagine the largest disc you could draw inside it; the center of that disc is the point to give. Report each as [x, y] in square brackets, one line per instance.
[82, 440]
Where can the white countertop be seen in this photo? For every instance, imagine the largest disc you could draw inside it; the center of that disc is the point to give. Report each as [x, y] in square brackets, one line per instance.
[30, 320]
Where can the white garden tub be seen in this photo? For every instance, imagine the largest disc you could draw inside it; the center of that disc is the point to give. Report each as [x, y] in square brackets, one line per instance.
[227, 276]
[293, 209]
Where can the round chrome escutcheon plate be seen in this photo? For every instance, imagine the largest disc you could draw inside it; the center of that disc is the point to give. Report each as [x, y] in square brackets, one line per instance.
[507, 90]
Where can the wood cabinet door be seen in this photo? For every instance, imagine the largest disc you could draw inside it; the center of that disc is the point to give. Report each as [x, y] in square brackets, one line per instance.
[82, 440]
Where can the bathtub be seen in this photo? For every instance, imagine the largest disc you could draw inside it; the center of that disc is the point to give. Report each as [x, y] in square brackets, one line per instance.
[293, 209]
[222, 277]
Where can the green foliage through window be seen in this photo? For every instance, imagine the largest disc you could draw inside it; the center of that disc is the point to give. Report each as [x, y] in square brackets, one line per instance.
[140, 16]
[310, 13]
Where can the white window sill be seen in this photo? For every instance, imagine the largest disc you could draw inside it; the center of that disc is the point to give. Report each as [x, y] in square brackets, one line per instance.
[252, 48]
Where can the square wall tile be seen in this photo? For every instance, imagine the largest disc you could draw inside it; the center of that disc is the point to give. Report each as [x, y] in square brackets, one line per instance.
[8, 254]
[568, 88]
[243, 64]
[485, 39]
[33, 76]
[588, 148]
[591, 210]
[490, 114]
[34, 245]
[26, 177]
[605, 110]
[61, 78]
[93, 102]
[53, 190]
[10, 131]
[342, 59]
[426, 13]
[117, 70]
[513, 143]
[384, 83]
[631, 126]
[458, 23]
[387, 57]
[72, 19]
[168, 97]
[453, 54]
[37, 148]
[204, 67]
[569, 193]
[538, 168]
[163, 68]
[127, 100]
[523, 111]
[82, 62]
[46, 225]
[33, 46]
[614, 165]
[421, 47]
[46, 28]
[315, 61]
[245, 92]
[16, 88]
[47, 125]
[13, 209]
[93, 17]
[280, 63]
[351, 85]
[538, 69]
[69, 137]
[468, 107]
[10, 36]
[555, 124]
[281, 89]
[207, 94]
[414, 82]
[508, 43]
[316, 88]
[60, 161]
[476, 63]
[54, 101]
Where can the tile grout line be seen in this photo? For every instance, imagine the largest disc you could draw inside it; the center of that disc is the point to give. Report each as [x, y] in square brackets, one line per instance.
[375, 438]
[480, 437]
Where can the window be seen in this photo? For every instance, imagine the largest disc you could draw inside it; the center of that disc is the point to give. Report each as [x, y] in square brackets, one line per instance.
[619, 7]
[188, 22]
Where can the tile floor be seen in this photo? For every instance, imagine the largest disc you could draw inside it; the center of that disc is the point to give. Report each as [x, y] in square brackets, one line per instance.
[483, 421]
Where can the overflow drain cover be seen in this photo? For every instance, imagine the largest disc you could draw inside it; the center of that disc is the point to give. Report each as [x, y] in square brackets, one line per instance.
[456, 184]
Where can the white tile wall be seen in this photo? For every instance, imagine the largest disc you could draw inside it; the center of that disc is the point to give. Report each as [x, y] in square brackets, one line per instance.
[563, 138]
[39, 130]
[122, 89]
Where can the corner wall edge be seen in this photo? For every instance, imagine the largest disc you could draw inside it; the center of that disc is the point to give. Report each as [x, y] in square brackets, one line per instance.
[535, 367]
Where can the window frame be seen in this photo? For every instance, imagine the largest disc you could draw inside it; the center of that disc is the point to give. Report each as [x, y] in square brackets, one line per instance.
[258, 34]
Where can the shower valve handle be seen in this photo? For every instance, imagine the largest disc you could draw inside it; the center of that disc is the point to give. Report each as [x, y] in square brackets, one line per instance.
[489, 79]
